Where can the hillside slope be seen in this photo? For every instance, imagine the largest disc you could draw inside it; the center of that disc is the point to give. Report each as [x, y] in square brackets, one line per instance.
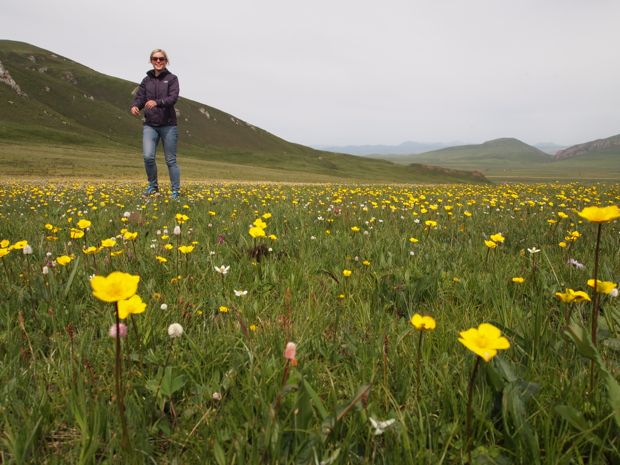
[49, 100]
[595, 148]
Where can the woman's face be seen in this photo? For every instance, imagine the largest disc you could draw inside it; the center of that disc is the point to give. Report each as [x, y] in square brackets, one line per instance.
[159, 61]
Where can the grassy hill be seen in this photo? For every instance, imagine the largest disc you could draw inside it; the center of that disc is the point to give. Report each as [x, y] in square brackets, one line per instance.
[510, 159]
[60, 118]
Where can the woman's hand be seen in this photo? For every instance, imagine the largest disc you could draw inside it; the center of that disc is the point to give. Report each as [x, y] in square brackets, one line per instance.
[135, 111]
[150, 104]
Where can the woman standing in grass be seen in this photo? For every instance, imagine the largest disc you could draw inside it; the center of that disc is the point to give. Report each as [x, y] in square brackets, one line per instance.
[157, 94]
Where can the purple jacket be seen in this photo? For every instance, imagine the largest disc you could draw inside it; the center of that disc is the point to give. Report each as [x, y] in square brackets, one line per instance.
[164, 89]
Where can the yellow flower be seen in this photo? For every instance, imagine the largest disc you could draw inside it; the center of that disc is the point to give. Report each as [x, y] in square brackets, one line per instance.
[562, 244]
[355, 228]
[64, 260]
[109, 243]
[76, 233]
[181, 218]
[602, 287]
[467, 213]
[83, 224]
[346, 273]
[600, 214]
[497, 238]
[259, 223]
[413, 240]
[572, 296]
[114, 287]
[116, 253]
[90, 250]
[132, 305]
[490, 244]
[255, 232]
[273, 237]
[161, 259]
[223, 309]
[431, 223]
[130, 236]
[366, 263]
[423, 323]
[484, 341]
[4, 251]
[267, 216]
[168, 247]
[252, 328]
[4, 243]
[186, 248]
[518, 280]
[19, 245]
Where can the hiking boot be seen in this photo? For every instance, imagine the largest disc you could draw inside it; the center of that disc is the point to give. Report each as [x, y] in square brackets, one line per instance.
[150, 191]
[175, 195]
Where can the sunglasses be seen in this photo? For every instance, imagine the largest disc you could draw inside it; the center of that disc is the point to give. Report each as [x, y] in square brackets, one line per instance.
[158, 59]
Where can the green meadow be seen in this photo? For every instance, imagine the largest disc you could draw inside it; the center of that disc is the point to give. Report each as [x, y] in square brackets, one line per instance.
[232, 274]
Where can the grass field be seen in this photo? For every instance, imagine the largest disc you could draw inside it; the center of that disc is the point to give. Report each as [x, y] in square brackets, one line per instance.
[338, 270]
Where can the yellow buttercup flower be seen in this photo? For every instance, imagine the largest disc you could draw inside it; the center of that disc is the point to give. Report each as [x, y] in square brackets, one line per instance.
[602, 287]
[490, 244]
[484, 341]
[423, 323]
[518, 280]
[572, 296]
[600, 214]
[4, 251]
[223, 309]
[130, 236]
[431, 223]
[108, 243]
[255, 232]
[83, 224]
[497, 238]
[130, 306]
[64, 260]
[114, 287]
[346, 273]
[161, 259]
[181, 218]
[76, 233]
[90, 250]
[259, 223]
[186, 249]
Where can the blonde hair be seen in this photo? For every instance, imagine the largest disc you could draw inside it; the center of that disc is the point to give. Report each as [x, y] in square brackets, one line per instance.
[159, 50]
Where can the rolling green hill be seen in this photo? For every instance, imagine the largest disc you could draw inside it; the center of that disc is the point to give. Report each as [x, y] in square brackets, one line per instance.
[510, 159]
[60, 118]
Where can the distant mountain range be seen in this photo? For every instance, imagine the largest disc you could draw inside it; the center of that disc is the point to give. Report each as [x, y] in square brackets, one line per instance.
[412, 148]
[47, 100]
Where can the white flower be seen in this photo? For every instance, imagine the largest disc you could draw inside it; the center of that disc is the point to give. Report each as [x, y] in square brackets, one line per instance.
[48, 254]
[163, 307]
[614, 292]
[240, 293]
[533, 250]
[158, 232]
[127, 214]
[222, 269]
[216, 396]
[576, 264]
[27, 250]
[175, 330]
[411, 253]
[45, 270]
[177, 230]
[380, 426]
[417, 221]
[312, 238]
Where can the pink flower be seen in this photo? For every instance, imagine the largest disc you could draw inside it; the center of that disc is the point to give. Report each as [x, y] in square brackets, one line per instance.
[122, 330]
[290, 351]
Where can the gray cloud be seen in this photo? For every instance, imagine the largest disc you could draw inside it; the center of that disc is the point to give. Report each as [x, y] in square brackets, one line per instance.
[361, 72]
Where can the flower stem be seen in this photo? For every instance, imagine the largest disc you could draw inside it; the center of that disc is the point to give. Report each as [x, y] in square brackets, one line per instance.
[470, 389]
[418, 366]
[595, 302]
[118, 374]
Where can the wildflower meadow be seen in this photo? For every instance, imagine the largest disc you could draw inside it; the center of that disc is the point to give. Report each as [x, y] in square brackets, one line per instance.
[310, 324]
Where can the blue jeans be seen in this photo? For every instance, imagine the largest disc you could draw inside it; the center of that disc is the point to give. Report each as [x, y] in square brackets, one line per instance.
[150, 138]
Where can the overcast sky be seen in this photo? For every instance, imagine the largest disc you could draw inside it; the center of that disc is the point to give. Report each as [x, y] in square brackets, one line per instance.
[337, 72]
